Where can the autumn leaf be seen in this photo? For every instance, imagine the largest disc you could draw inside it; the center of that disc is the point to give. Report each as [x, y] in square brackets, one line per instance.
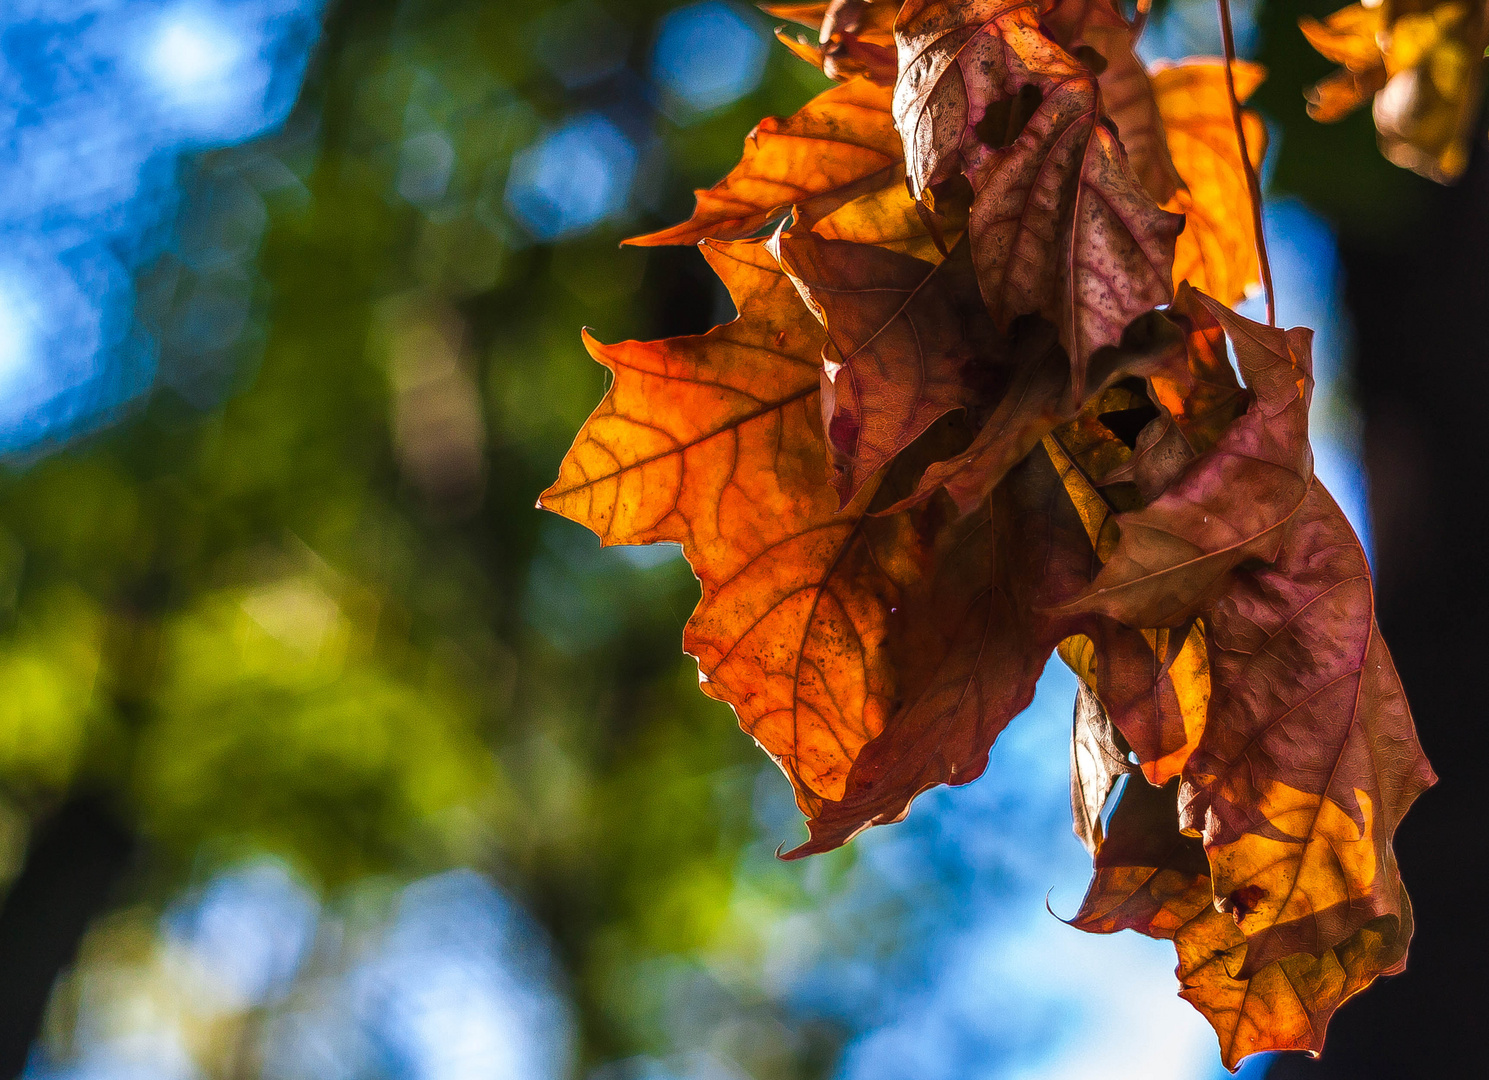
[840, 146]
[1059, 224]
[1227, 506]
[1422, 65]
[1195, 400]
[715, 442]
[1151, 878]
[1036, 396]
[1153, 684]
[1309, 759]
[1148, 876]
[971, 647]
[1287, 1004]
[855, 37]
[911, 340]
[1097, 33]
[963, 421]
[1348, 38]
[1216, 252]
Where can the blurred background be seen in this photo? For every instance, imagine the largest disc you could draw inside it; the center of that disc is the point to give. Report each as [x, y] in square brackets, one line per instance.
[324, 755]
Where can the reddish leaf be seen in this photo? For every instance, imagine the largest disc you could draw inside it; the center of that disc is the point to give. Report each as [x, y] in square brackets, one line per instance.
[1154, 685]
[971, 648]
[1096, 32]
[1228, 506]
[1035, 396]
[1309, 760]
[1059, 225]
[1151, 878]
[1196, 400]
[1148, 876]
[911, 339]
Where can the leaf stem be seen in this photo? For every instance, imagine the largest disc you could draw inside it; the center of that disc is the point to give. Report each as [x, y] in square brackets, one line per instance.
[1252, 183]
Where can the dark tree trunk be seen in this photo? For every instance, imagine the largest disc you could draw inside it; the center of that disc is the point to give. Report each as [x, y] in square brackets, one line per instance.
[75, 861]
[1421, 309]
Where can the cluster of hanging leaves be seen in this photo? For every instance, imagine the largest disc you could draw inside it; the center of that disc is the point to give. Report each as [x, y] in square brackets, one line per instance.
[964, 420]
[1420, 63]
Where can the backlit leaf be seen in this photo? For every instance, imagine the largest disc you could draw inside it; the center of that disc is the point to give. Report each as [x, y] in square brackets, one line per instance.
[1309, 760]
[910, 341]
[970, 647]
[1036, 396]
[1154, 684]
[1422, 65]
[1127, 95]
[1216, 252]
[1196, 401]
[715, 442]
[1227, 506]
[840, 145]
[855, 37]
[1148, 876]
[1285, 1004]
[1059, 224]
[1151, 878]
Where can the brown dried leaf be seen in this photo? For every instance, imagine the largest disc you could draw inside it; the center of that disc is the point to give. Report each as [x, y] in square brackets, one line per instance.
[1196, 401]
[1098, 761]
[970, 647]
[1086, 27]
[911, 340]
[1060, 226]
[1228, 506]
[1154, 684]
[1309, 759]
[1148, 876]
[1037, 397]
[1151, 878]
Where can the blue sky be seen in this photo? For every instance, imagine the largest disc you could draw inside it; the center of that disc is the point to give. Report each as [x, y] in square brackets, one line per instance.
[103, 104]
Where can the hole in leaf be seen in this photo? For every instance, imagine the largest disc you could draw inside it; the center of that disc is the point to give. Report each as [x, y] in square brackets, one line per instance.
[1127, 424]
[1243, 901]
[1004, 121]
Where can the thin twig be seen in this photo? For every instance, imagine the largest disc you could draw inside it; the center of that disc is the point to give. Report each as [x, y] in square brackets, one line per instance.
[1140, 18]
[1252, 182]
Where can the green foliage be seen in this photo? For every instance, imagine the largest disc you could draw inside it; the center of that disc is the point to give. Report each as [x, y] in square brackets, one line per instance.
[323, 621]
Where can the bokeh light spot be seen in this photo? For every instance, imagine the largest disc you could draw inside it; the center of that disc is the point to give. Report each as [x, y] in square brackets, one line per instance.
[16, 332]
[707, 56]
[425, 164]
[191, 57]
[573, 179]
